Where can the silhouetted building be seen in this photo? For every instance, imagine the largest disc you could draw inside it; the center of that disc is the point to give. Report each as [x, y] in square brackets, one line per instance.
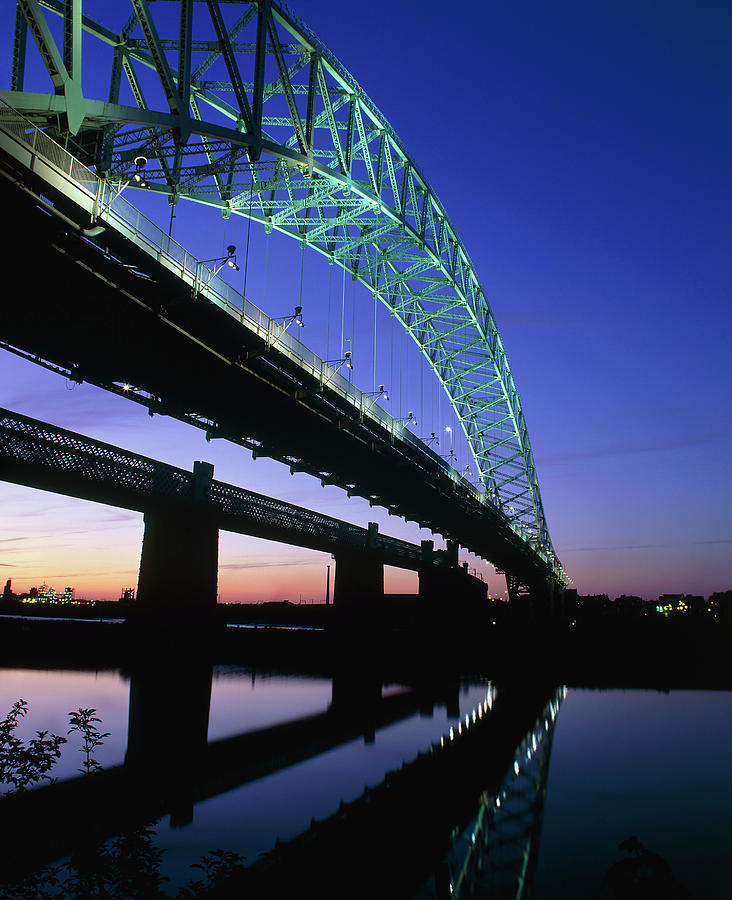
[720, 605]
[669, 604]
[8, 594]
[681, 604]
[629, 606]
[592, 606]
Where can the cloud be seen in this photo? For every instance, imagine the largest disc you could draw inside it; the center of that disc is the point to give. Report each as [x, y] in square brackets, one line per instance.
[630, 450]
[105, 574]
[266, 564]
[665, 546]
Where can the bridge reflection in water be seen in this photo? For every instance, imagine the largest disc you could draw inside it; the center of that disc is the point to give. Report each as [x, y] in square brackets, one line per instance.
[463, 815]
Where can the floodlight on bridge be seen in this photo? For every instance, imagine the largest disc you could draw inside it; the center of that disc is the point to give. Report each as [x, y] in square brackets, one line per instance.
[139, 175]
[408, 419]
[381, 394]
[94, 229]
[286, 321]
[218, 263]
[339, 363]
[432, 439]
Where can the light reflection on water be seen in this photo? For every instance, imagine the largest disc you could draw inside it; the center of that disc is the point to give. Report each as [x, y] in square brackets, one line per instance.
[644, 763]
[250, 818]
[623, 763]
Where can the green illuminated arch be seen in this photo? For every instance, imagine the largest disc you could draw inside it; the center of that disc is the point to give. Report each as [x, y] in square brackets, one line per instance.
[245, 109]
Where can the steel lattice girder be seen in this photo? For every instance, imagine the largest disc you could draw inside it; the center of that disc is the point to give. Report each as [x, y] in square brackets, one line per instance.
[281, 132]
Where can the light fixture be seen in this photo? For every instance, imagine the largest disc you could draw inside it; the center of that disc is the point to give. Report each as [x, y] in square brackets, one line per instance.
[95, 228]
[296, 317]
[139, 174]
[231, 257]
[432, 439]
[337, 363]
[381, 394]
[219, 263]
[408, 419]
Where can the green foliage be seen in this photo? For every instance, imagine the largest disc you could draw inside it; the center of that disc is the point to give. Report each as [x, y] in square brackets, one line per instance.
[127, 867]
[83, 722]
[218, 866]
[25, 765]
[124, 868]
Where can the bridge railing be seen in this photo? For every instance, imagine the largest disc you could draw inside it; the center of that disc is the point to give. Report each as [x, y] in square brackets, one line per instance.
[103, 201]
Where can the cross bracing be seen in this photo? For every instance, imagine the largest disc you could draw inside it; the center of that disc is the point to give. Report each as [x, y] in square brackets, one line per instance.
[236, 104]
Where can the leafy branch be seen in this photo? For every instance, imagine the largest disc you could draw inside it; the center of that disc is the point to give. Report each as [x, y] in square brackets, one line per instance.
[83, 721]
[21, 765]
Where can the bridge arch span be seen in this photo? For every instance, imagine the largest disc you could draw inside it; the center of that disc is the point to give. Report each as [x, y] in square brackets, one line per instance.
[240, 106]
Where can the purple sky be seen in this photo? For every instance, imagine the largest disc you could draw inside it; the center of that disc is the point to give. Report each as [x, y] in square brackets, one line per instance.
[582, 152]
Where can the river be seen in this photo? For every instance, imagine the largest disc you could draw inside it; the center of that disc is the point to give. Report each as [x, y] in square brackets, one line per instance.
[647, 769]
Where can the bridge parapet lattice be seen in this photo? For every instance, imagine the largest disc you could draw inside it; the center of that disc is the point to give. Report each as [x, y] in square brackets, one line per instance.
[77, 464]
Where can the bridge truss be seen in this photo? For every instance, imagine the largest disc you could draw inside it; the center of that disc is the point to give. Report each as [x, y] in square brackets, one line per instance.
[238, 105]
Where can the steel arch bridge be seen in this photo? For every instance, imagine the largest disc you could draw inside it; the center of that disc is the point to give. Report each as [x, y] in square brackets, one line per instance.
[238, 105]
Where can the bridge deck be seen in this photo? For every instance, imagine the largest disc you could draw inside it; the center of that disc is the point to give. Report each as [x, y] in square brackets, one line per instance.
[196, 356]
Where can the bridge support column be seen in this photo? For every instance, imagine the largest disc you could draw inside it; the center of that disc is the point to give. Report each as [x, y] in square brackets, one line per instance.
[358, 590]
[446, 590]
[537, 601]
[168, 731]
[180, 553]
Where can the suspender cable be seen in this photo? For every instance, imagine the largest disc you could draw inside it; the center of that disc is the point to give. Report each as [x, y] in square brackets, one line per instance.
[302, 267]
[249, 231]
[343, 308]
[330, 281]
[374, 363]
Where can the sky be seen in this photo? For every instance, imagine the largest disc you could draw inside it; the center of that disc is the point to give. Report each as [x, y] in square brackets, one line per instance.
[582, 152]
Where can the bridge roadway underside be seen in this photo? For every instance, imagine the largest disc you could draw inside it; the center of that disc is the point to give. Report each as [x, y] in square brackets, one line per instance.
[88, 311]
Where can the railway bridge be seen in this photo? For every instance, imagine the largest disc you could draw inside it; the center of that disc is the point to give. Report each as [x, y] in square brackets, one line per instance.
[184, 512]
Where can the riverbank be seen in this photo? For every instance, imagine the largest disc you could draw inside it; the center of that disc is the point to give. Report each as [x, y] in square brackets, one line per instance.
[660, 654]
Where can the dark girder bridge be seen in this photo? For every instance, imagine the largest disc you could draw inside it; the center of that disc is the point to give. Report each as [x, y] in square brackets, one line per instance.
[184, 512]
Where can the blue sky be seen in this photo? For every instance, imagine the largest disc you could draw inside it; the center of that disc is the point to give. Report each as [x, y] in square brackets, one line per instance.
[582, 152]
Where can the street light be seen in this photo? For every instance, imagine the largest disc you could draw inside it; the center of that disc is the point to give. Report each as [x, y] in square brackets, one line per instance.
[138, 176]
[219, 263]
[94, 229]
[450, 455]
[432, 439]
[338, 363]
[408, 419]
[381, 394]
[286, 321]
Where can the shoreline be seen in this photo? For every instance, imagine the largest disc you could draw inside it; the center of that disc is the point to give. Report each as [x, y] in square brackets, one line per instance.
[606, 654]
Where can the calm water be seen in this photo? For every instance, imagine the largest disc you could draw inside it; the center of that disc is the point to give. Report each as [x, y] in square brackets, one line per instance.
[621, 763]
